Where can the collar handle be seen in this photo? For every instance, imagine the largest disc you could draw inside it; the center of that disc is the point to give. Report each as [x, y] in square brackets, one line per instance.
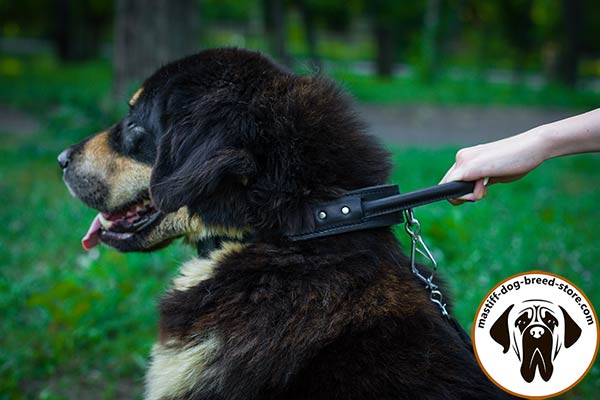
[374, 207]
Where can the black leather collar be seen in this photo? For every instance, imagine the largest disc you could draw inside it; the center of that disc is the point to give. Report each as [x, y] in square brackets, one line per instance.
[366, 208]
[374, 207]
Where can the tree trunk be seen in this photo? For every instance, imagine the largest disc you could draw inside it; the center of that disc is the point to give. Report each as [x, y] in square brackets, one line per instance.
[430, 45]
[570, 53]
[149, 34]
[310, 33]
[384, 42]
[275, 28]
[76, 33]
[61, 31]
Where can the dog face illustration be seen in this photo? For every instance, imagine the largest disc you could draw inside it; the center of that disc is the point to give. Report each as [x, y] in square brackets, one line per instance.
[537, 331]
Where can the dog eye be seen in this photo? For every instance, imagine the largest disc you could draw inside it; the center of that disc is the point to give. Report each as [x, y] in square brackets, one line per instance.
[135, 129]
[523, 320]
[132, 126]
[133, 136]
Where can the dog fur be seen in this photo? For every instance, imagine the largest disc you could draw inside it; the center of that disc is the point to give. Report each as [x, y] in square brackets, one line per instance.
[228, 143]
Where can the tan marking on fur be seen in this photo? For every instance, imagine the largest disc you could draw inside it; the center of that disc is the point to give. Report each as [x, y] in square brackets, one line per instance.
[199, 269]
[124, 177]
[176, 368]
[193, 272]
[97, 149]
[179, 222]
[176, 224]
[230, 232]
[135, 96]
[227, 248]
[193, 234]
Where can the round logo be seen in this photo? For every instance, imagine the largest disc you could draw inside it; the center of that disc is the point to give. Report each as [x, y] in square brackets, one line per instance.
[535, 335]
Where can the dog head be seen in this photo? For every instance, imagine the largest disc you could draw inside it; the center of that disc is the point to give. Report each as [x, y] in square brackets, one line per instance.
[224, 143]
[537, 330]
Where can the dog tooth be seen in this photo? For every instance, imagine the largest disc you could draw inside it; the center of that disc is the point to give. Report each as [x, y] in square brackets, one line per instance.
[106, 224]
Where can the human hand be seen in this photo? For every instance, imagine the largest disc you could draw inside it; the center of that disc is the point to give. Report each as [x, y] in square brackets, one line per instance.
[503, 161]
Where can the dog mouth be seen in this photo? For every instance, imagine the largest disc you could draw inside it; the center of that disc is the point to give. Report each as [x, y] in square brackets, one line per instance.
[115, 227]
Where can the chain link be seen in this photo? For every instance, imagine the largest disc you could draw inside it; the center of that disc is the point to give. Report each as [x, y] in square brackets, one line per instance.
[413, 228]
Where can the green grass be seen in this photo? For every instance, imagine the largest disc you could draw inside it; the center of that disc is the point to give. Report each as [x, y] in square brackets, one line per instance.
[474, 90]
[75, 323]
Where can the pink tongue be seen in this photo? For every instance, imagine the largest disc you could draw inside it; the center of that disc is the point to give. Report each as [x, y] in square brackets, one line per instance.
[92, 237]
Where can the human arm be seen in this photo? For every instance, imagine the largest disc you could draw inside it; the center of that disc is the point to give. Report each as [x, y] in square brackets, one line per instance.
[509, 159]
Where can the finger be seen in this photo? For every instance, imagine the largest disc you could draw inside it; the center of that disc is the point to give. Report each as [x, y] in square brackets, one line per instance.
[480, 190]
[457, 201]
[447, 177]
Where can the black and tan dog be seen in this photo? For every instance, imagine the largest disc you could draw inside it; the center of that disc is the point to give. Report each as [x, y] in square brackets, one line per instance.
[227, 143]
[537, 330]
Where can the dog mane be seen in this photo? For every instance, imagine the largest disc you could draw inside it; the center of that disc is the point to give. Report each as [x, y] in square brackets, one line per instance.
[252, 144]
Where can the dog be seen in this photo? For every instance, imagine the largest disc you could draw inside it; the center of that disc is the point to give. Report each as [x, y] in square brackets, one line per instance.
[228, 144]
[537, 330]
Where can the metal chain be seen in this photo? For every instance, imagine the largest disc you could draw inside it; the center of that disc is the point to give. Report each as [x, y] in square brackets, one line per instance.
[413, 228]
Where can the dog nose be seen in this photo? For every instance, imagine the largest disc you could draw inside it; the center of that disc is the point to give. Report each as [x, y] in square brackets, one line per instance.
[536, 332]
[64, 158]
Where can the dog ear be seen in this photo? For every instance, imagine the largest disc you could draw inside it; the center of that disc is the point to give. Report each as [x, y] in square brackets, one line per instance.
[186, 179]
[500, 332]
[572, 330]
[194, 154]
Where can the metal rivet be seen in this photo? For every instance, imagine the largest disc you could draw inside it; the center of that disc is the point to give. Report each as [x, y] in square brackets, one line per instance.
[322, 215]
[345, 210]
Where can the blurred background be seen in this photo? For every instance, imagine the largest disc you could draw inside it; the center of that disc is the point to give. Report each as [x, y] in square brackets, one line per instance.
[428, 76]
